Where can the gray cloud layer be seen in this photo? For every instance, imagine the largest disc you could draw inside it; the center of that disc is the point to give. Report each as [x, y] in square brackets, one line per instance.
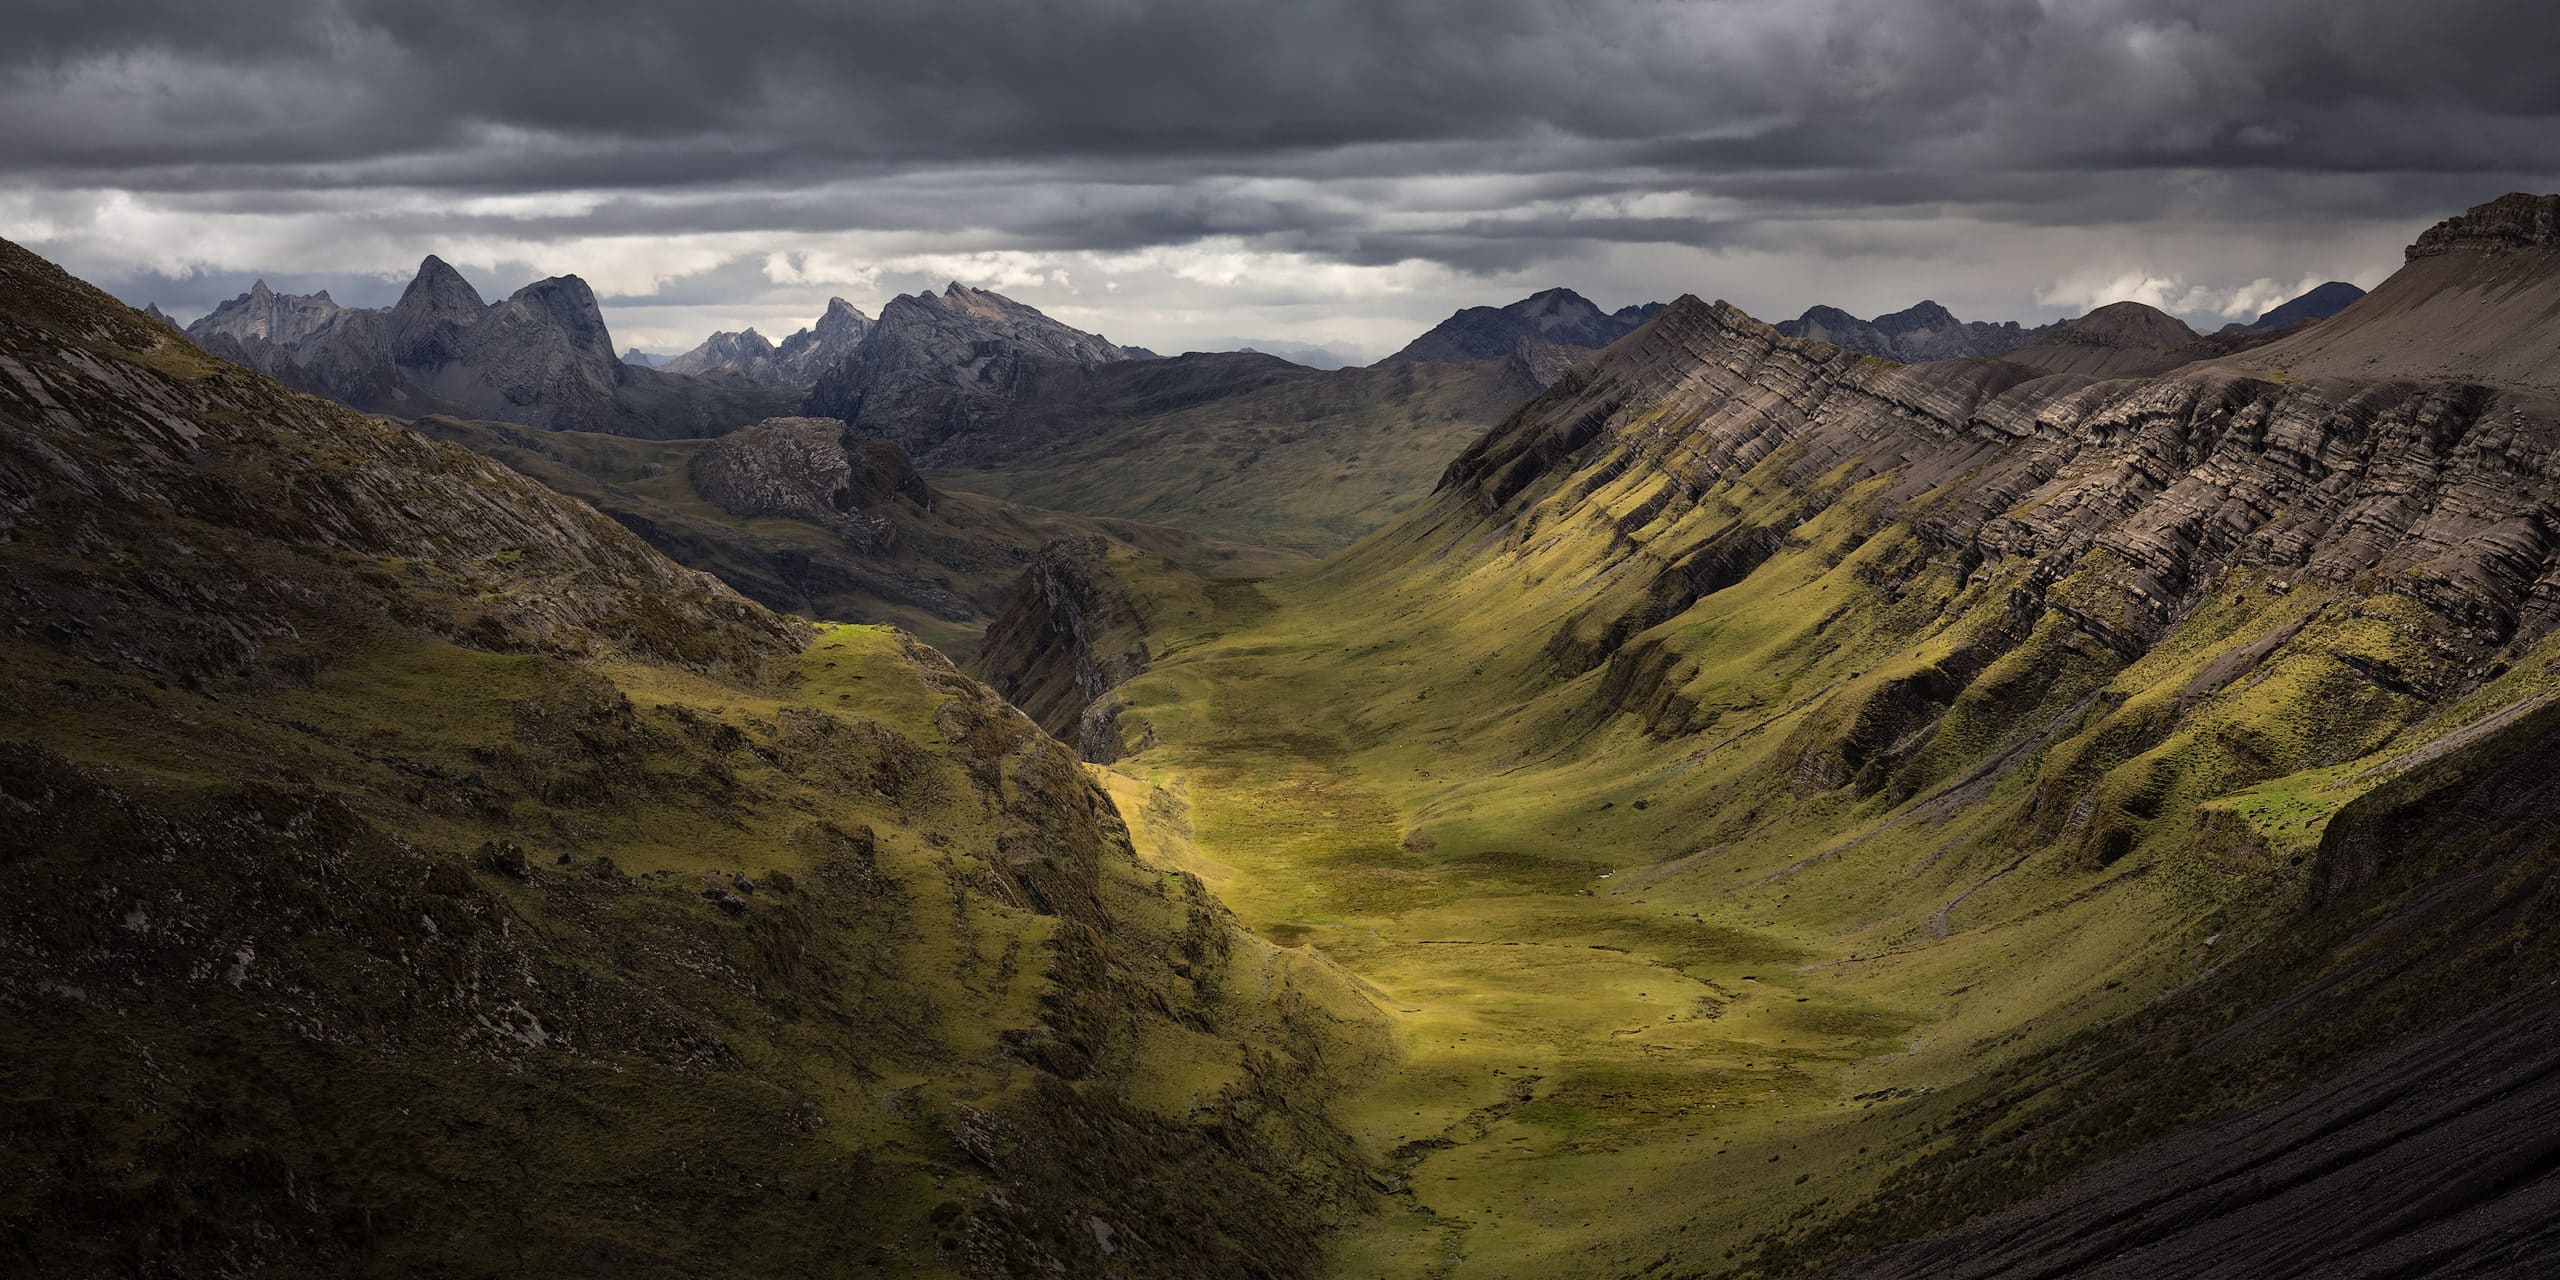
[1216, 167]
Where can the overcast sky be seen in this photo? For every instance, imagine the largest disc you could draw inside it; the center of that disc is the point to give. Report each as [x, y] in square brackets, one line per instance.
[1185, 173]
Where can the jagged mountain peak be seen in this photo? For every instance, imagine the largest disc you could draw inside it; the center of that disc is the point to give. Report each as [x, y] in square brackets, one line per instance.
[1924, 314]
[440, 289]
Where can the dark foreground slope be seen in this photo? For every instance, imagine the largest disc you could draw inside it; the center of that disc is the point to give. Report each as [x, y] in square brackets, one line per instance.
[408, 871]
[1796, 805]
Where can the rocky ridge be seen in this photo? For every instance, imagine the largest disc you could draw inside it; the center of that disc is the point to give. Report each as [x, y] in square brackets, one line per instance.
[1922, 332]
[795, 364]
[1558, 316]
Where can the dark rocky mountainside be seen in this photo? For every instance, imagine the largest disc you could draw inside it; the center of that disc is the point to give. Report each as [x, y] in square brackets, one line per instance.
[939, 366]
[407, 871]
[540, 357]
[795, 364]
[1559, 316]
[801, 515]
[1915, 334]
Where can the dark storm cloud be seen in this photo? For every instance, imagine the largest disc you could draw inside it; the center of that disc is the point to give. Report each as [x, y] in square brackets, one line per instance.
[467, 91]
[1485, 136]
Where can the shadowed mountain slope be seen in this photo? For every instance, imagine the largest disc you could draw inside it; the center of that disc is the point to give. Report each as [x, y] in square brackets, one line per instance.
[408, 871]
[2320, 303]
[802, 516]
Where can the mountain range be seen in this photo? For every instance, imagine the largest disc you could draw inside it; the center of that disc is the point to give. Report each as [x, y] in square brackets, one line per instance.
[797, 363]
[541, 357]
[1754, 809]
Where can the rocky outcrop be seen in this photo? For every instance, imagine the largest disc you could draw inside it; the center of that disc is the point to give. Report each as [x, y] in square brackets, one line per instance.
[1559, 316]
[1918, 333]
[541, 357]
[812, 469]
[937, 367]
[1071, 638]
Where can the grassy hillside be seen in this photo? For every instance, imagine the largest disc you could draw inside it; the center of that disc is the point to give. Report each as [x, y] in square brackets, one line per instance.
[407, 871]
[1236, 447]
[1782, 827]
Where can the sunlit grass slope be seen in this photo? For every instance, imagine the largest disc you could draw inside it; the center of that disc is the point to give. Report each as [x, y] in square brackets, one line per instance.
[1734, 931]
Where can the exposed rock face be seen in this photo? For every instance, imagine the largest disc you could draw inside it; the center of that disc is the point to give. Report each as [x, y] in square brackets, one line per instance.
[639, 359]
[746, 354]
[541, 357]
[2511, 222]
[811, 469]
[807, 355]
[1915, 334]
[283, 319]
[1071, 638]
[938, 367]
[2319, 303]
[1559, 316]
